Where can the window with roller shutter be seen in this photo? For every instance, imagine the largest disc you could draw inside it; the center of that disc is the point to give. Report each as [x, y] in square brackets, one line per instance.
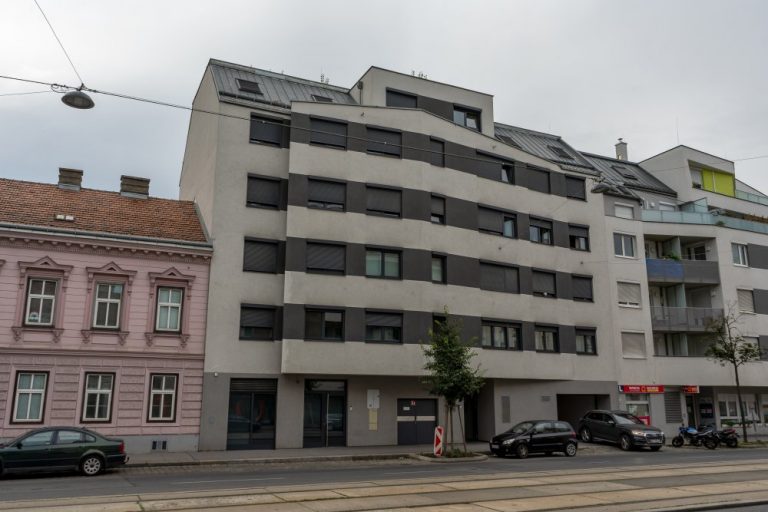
[437, 152]
[437, 215]
[257, 323]
[633, 345]
[496, 222]
[328, 133]
[384, 142]
[746, 301]
[384, 327]
[575, 188]
[499, 278]
[544, 284]
[629, 294]
[260, 256]
[582, 288]
[326, 258]
[268, 130]
[578, 237]
[326, 195]
[263, 192]
[383, 201]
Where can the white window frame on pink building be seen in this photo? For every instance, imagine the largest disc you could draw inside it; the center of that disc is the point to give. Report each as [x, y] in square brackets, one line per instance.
[44, 268]
[171, 278]
[111, 273]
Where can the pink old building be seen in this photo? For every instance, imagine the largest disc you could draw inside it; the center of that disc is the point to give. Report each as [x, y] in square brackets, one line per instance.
[103, 300]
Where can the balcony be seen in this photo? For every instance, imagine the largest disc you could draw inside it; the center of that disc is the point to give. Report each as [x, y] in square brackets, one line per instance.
[753, 198]
[680, 217]
[682, 271]
[683, 319]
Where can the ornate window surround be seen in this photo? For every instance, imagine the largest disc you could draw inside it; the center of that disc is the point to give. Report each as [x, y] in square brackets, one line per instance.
[45, 267]
[108, 273]
[174, 278]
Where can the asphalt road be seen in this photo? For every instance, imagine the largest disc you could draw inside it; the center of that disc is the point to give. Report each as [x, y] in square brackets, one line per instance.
[237, 476]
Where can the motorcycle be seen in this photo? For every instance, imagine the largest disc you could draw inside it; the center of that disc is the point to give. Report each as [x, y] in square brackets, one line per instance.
[728, 437]
[706, 437]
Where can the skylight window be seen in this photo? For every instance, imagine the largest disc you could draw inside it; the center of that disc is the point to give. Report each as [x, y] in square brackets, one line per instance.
[509, 140]
[560, 152]
[624, 172]
[322, 99]
[248, 86]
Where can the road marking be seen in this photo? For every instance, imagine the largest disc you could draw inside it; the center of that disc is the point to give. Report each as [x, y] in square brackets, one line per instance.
[414, 472]
[227, 480]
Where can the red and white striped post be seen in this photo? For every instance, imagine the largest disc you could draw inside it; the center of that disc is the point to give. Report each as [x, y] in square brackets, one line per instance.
[438, 447]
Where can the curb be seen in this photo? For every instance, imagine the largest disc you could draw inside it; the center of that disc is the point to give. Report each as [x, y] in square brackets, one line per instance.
[282, 460]
[477, 457]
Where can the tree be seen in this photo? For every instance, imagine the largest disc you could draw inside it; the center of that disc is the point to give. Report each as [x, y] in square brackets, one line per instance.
[451, 375]
[728, 348]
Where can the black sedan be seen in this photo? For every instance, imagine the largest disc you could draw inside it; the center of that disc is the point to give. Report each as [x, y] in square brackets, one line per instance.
[61, 448]
[620, 427]
[539, 436]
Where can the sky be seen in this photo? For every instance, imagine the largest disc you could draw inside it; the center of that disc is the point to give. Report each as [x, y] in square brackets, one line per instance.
[656, 73]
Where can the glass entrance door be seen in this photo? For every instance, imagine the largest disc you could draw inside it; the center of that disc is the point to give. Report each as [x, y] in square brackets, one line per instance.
[251, 421]
[325, 419]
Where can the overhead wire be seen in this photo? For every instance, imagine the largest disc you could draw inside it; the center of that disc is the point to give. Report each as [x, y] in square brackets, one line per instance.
[59, 41]
[24, 93]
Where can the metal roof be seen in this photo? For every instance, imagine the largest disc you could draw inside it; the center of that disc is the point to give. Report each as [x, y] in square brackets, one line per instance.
[630, 174]
[277, 88]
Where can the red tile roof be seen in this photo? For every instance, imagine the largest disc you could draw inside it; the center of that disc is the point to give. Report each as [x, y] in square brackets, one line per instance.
[37, 204]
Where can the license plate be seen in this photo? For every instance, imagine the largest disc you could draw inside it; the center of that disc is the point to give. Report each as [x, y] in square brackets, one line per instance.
[654, 441]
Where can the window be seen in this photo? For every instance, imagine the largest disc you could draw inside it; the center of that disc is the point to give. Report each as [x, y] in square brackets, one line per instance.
[248, 86]
[401, 99]
[740, 255]
[633, 345]
[326, 195]
[537, 179]
[41, 302]
[321, 99]
[497, 222]
[69, 437]
[29, 397]
[696, 178]
[162, 398]
[544, 284]
[499, 278]
[546, 339]
[437, 152]
[623, 211]
[501, 335]
[381, 263]
[746, 301]
[578, 237]
[669, 344]
[327, 258]
[328, 133]
[667, 207]
[540, 231]
[384, 142]
[263, 192]
[106, 314]
[466, 117]
[383, 201]
[383, 327]
[575, 188]
[582, 288]
[257, 323]
[39, 439]
[697, 252]
[169, 309]
[438, 210]
[271, 131]
[629, 295]
[260, 256]
[438, 269]
[508, 174]
[97, 403]
[324, 325]
[560, 153]
[624, 245]
[585, 342]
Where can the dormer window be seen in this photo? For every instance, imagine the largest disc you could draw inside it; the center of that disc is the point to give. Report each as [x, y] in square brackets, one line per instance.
[248, 86]
[321, 99]
[624, 172]
[466, 117]
[560, 153]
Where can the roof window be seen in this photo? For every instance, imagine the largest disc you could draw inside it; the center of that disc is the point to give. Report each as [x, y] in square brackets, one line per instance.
[322, 99]
[560, 152]
[248, 86]
[624, 172]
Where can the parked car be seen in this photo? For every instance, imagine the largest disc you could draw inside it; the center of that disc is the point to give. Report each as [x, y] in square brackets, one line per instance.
[62, 448]
[537, 436]
[620, 427]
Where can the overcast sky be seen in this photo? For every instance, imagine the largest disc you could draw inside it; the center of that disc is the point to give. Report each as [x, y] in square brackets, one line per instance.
[652, 72]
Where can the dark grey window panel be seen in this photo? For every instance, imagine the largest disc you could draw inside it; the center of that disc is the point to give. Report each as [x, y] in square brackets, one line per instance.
[461, 213]
[263, 192]
[438, 107]
[328, 133]
[489, 166]
[326, 257]
[760, 298]
[269, 131]
[383, 200]
[575, 187]
[757, 255]
[437, 213]
[581, 288]
[499, 278]
[260, 256]
[384, 319]
[490, 220]
[257, 323]
[578, 231]
[326, 194]
[384, 142]
[544, 284]
[506, 409]
[567, 339]
[540, 223]
[537, 180]
[437, 152]
[401, 99]
[763, 342]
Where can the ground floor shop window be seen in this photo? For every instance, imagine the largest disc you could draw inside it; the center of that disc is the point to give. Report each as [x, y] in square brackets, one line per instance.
[639, 405]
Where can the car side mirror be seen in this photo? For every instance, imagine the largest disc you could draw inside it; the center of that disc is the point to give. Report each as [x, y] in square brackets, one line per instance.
[612, 423]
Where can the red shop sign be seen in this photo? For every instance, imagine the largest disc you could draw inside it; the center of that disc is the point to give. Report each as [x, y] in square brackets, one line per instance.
[690, 389]
[640, 388]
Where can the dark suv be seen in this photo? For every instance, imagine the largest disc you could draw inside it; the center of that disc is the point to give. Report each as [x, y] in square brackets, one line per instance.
[620, 427]
[542, 436]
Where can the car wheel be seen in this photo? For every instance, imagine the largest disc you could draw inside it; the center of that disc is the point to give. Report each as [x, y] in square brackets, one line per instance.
[625, 443]
[92, 465]
[655, 448]
[585, 434]
[678, 441]
[570, 450]
[522, 450]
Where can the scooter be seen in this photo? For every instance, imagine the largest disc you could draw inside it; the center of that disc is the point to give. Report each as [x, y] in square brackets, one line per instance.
[695, 437]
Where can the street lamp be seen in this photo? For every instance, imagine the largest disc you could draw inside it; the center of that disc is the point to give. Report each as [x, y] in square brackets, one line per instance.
[78, 99]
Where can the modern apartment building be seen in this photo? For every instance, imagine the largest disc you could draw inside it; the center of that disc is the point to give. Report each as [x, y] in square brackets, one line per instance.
[346, 220]
[103, 298]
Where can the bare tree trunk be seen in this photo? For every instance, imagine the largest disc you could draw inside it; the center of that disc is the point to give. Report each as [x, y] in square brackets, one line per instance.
[741, 404]
[463, 435]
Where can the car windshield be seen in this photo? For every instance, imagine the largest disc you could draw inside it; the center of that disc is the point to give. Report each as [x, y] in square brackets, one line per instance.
[521, 428]
[627, 419]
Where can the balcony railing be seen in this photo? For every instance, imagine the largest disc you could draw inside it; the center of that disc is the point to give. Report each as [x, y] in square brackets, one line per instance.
[683, 319]
[682, 271]
[753, 198]
[679, 217]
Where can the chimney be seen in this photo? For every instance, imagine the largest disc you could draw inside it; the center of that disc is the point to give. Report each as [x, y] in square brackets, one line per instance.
[70, 179]
[621, 150]
[131, 186]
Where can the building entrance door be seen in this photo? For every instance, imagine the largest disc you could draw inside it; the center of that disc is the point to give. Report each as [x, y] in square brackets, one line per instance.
[325, 419]
[416, 420]
[251, 419]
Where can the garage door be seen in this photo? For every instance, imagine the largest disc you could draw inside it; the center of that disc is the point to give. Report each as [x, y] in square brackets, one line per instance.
[416, 420]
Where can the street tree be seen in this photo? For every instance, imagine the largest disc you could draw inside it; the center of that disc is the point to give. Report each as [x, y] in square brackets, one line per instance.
[728, 348]
[450, 371]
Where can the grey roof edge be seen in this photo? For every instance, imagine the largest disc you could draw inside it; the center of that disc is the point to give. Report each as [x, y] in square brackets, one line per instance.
[528, 130]
[280, 76]
[687, 147]
[412, 76]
